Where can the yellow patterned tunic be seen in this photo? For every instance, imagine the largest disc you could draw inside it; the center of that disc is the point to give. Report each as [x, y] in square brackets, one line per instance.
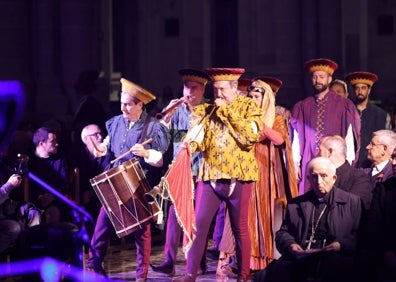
[229, 139]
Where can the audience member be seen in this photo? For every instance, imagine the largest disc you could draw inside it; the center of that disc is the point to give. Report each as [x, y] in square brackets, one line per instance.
[379, 151]
[318, 236]
[350, 179]
[9, 229]
[89, 165]
[382, 229]
[48, 166]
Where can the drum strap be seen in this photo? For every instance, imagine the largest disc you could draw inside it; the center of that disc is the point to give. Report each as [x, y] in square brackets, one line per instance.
[144, 130]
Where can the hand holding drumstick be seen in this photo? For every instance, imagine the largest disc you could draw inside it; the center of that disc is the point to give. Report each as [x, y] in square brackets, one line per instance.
[137, 150]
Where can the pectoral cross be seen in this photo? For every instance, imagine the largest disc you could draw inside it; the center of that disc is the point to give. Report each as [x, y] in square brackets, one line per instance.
[310, 241]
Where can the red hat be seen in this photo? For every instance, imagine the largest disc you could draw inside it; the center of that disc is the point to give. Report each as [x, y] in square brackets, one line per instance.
[228, 74]
[361, 77]
[273, 82]
[244, 83]
[321, 64]
[194, 75]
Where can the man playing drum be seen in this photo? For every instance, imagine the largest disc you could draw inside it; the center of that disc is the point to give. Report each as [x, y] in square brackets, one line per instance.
[127, 132]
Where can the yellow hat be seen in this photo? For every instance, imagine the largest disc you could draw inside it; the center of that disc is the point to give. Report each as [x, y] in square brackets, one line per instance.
[227, 74]
[362, 77]
[136, 91]
[321, 64]
[194, 75]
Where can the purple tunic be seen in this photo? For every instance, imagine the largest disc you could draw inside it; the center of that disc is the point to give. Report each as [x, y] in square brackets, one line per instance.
[314, 119]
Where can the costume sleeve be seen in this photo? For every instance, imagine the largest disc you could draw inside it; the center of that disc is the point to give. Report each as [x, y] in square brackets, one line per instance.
[155, 158]
[298, 131]
[353, 121]
[272, 134]
[161, 137]
[350, 144]
[244, 128]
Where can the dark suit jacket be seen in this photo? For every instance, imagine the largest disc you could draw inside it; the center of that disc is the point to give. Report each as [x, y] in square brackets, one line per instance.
[342, 220]
[381, 218]
[382, 176]
[355, 181]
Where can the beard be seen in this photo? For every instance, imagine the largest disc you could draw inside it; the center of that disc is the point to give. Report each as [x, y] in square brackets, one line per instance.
[360, 98]
[319, 88]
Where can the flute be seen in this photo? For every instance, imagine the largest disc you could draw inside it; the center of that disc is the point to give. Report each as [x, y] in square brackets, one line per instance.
[170, 108]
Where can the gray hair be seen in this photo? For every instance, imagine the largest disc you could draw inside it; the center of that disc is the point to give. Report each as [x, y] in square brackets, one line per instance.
[336, 143]
[387, 138]
[321, 160]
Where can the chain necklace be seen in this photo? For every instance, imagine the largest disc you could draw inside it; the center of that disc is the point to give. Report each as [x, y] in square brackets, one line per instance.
[314, 226]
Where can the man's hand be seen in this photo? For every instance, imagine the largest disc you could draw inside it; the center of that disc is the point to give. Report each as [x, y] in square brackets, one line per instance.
[15, 180]
[333, 247]
[140, 151]
[296, 250]
[218, 102]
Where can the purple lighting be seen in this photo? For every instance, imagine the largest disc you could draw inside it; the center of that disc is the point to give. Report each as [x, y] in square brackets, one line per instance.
[50, 269]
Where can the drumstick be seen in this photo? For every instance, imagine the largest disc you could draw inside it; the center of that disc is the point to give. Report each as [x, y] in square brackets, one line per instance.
[130, 150]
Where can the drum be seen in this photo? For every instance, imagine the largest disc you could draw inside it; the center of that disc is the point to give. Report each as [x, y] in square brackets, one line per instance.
[121, 191]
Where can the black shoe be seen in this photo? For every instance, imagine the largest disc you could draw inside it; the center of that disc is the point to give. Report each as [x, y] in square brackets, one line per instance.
[96, 268]
[212, 254]
[164, 267]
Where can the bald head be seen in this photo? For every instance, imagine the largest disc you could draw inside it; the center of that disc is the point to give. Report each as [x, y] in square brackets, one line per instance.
[333, 147]
[91, 136]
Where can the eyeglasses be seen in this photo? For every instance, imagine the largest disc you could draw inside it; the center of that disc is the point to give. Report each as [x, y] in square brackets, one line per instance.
[371, 144]
[96, 134]
[252, 88]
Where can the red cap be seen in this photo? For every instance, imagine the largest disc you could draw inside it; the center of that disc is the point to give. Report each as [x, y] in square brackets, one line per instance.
[194, 75]
[361, 77]
[273, 82]
[321, 64]
[228, 74]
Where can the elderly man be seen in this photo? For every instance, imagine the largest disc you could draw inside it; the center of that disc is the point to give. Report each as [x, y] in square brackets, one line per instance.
[226, 133]
[126, 133]
[379, 151]
[318, 236]
[324, 113]
[382, 229]
[90, 164]
[349, 178]
[372, 117]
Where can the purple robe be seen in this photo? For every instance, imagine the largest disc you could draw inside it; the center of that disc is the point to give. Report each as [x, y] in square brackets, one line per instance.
[339, 113]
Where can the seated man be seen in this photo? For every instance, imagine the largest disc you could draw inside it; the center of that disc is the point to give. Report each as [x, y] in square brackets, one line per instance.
[318, 236]
[349, 179]
[381, 229]
[9, 229]
[49, 166]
